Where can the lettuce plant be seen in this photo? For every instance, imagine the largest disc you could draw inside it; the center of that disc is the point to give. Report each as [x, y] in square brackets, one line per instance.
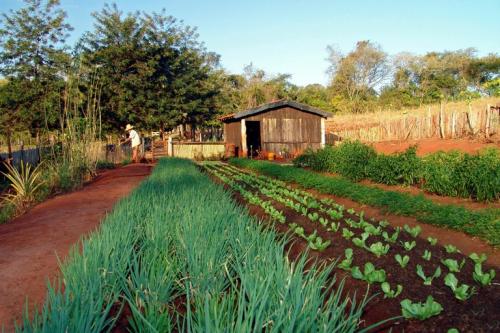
[319, 244]
[427, 255]
[361, 242]
[346, 233]
[379, 249]
[334, 227]
[347, 262]
[402, 261]
[420, 311]
[453, 265]
[336, 215]
[409, 245]
[323, 221]
[478, 259]
[428, 279]
[388, 292]
[414, 232]
[393, 238]
[432, 241]
[370, 274]
[383, 223]
[372, 230]
[451, 249]
[462, 292]
[313, 216]
[482, 277]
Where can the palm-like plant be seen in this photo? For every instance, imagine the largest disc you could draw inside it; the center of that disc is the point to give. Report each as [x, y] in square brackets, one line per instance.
[24, 183]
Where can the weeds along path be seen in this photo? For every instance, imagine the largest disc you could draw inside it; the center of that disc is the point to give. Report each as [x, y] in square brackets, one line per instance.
[31, 244]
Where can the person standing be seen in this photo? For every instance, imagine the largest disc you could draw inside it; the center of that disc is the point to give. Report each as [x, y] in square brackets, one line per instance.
[135, 140]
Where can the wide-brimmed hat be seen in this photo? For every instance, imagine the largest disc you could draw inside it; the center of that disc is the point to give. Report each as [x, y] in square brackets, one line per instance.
[128, 127]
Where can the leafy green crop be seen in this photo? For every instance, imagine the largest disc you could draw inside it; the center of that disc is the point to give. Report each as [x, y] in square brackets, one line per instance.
[409, 245]
[428, 279]
[370, 274]
[388, 292]
[393, 238]
[478, 259]
[451, 249]
[453, 265]
[427, 255]
[346, 263]
[346, 233]
[484, 278]
[432, 241]
[414, 232]
[420, 311]
[402, 261]
[462, 292]
[379, 249]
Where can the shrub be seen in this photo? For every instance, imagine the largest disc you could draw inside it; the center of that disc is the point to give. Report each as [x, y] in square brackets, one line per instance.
[401, 168]
[352, 159]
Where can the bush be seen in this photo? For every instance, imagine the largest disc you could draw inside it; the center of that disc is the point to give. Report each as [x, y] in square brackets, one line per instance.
[100, 165]
[352, 160]
[401, 168]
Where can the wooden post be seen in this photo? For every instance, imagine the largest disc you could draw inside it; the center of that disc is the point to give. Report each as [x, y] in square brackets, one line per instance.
[243, 138]
[170, 147]
[488, 121]
[323, 132]
[441, 121]
[453, 124]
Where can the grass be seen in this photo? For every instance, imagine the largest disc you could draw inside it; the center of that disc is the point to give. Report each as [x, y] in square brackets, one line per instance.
[179, 239]
[484, 224]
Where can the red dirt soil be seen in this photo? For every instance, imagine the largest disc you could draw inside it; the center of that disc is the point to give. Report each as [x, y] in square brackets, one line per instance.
[31, 244]
[427, 146]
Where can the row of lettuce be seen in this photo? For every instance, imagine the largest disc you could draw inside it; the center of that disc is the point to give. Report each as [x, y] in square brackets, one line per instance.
[445, 173]
[481, 223]
[182, 256]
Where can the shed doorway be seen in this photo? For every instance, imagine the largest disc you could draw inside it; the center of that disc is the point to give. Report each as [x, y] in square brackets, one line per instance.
[253, 138]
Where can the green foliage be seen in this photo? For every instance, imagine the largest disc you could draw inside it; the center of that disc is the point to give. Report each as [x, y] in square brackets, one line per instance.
[105, 165]
[478, 259]
[402, 260]
[453, 265]
[451, 248]
[432, 241]
[408, 246]
[445, 173]
[398, 168]
[370, 274]
[483, 278]
[388, 292]
[421, 311]
[482, 223]
[428, 279]
[24, 183]
[414, 232]
[461, 292]
[346, 263]
[427, 255]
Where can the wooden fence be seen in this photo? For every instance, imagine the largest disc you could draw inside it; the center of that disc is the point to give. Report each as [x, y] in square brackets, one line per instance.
[446, 121]
[198, 150]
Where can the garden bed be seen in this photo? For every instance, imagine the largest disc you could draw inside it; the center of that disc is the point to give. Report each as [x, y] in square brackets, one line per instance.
[277, 201]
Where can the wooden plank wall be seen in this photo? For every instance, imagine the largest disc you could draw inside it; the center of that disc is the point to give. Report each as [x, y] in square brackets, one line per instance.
[288, 130]
[198, 150]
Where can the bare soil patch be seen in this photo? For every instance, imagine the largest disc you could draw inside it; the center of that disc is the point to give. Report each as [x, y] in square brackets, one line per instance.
[31, 244]
[432, 145]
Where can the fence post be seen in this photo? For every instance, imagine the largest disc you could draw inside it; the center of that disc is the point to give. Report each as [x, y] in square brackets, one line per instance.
[170, 150]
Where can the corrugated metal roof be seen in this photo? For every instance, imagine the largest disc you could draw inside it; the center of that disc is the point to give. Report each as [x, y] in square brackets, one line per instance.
[279, 104]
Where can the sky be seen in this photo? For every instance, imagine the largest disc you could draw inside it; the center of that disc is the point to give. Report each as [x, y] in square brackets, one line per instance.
[291, 36]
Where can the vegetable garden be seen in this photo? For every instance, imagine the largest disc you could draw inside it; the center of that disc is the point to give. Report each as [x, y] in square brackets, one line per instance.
[179, 254]
[432, 287]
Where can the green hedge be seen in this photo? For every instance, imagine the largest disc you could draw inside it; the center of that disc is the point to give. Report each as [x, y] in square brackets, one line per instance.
[483, 223]
[453, 173]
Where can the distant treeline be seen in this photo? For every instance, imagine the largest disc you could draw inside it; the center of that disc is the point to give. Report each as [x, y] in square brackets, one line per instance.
[151, 70]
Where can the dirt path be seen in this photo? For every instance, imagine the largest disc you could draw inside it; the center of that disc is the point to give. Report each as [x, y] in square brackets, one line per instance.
[31, 244]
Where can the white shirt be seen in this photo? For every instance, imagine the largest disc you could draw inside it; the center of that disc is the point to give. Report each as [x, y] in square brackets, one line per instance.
[135, 138]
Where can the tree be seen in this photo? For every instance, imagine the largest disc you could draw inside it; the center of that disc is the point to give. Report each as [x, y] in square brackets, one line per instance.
[155, 73]
[33, 58]
[357, 75]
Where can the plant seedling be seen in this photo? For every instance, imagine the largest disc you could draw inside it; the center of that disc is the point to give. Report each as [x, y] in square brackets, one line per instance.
[335, 215]
[334, 227]
[391, 239]
[351, 223]
[313, 216]
[300, 231]
[421, 311]
[414, 232]
[451, 249]
[361, 242]
[346, 263]
[351, 211]
[478, 259]
[324, 222]
[312, 237]
[482, 277]
[427, 255]
[370, 274]
[402, 261]
[432, 241]
[462, 292]
[304, 210]
[318, 244]
[379, 249]
[346, 233]
[453, 265]
[409, 245]
[428, 279]
[383, 223]
[388, 293]
[372, 230]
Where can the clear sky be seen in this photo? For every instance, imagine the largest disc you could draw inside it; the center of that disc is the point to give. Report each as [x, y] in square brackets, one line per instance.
[291, 36]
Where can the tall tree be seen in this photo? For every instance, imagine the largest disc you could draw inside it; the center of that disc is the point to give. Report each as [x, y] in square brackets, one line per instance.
[357, 75]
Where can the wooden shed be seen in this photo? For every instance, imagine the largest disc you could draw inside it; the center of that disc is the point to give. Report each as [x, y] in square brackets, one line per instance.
[282, 127]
